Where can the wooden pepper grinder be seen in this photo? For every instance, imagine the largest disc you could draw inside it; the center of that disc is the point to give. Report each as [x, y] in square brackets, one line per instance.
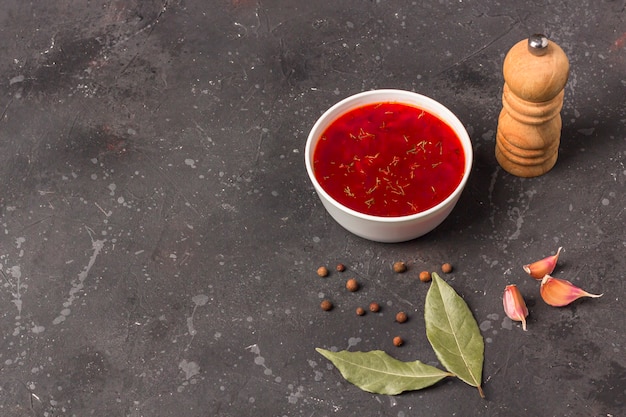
[529, 127]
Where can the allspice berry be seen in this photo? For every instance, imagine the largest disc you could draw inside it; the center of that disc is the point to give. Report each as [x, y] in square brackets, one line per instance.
[360, 311]
[374, 307]
[399, 267]
[341, 267]
[397, 341]
[326, 305]
[352, 285]
[322, 271]
[446, 268]
[401, 317]
[425, 276]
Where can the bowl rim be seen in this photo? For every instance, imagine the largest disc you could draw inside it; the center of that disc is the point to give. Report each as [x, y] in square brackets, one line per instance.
[442, 112]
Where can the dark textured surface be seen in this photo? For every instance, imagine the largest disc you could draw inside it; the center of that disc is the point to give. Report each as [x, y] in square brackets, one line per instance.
[159, 236]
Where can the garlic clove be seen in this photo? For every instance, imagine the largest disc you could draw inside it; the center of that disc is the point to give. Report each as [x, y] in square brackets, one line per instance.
[544, 267]
[559, 292]
[514, 305]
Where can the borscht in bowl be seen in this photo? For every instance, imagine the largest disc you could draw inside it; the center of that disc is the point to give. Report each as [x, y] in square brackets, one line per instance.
[388, 165]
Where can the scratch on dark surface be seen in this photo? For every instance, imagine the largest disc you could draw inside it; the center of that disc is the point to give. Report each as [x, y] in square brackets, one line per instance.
[69, 132]
[149, 28]
[502, 367]
[36, 222]
[128, 64]
[258, 147]
[6, 108]
[479, 50]
[166, 4]
[203, 133]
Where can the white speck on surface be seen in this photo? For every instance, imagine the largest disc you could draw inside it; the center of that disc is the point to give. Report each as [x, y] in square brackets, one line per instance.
[507, 323]
[485, 325]
[190, 368]
[190, 162]
[112, 187]
[38, 329]
[78, 284]
[294, 396]
[16, 272]
[16, 79]
[586, 132]
[190, 328]
[259, 360]
[517, 217]
[200, 299]
[229, 208]
[488, 135]
[353, 341]
[16, 287]
[605, 202]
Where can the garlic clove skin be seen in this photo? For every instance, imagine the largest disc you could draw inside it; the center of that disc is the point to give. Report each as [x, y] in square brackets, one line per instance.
[559, 292]
[514, 305]
[544, 267]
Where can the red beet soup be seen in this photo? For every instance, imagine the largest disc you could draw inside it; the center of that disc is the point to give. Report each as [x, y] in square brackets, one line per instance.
[389, 159]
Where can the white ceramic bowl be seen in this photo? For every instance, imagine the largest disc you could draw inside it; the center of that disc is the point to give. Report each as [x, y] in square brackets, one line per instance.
[388, 229]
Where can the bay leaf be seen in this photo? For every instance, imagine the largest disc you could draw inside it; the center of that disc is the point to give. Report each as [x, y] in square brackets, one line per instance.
[379, 373]
[453, 333]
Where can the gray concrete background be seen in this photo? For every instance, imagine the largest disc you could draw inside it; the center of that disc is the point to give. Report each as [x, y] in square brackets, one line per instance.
[159, 236]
